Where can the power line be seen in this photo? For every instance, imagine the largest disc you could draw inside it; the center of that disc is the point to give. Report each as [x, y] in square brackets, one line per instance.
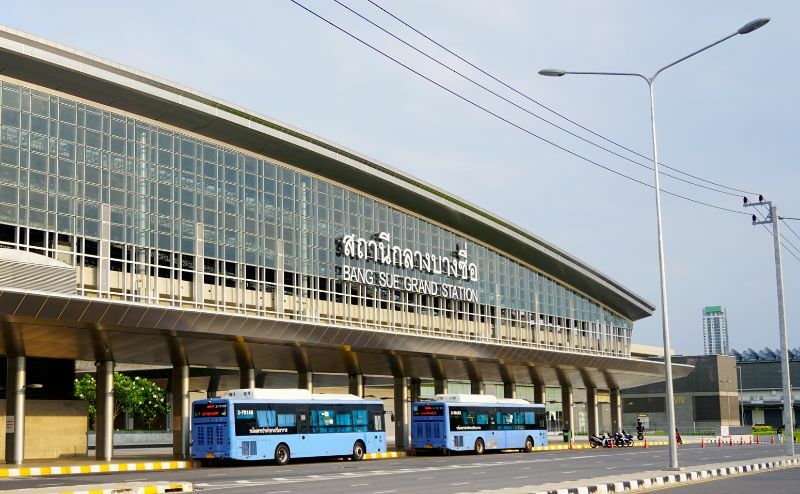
[763, 217]
[520, 107]
[503, 119]
[542, 105]
[790, 228]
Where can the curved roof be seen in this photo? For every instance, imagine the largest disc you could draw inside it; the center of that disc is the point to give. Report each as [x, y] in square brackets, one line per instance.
[48, 64]
[25, 257]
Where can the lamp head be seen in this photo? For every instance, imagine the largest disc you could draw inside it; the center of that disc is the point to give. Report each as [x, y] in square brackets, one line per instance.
[753, 25]
[552, 72]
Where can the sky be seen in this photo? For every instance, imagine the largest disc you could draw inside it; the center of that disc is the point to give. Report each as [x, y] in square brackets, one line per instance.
[728, 115]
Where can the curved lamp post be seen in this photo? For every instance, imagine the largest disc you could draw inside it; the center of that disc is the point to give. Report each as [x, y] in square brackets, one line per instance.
[747, 28]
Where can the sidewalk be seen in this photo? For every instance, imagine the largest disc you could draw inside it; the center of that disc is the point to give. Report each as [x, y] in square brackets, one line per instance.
[654, 478]
[124, 461]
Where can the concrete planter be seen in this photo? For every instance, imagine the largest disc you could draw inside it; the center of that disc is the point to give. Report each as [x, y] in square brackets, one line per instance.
[137, 439]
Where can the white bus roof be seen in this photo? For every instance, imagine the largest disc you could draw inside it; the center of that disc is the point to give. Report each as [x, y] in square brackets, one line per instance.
[488, 399]
[288, 394]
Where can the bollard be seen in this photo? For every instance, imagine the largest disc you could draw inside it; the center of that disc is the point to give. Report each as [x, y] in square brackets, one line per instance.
[702, 444]
[758, 439]
[741, 441]
[730, 441]
[719, 442]
[751, 440]
[773, 440]
[645, 443]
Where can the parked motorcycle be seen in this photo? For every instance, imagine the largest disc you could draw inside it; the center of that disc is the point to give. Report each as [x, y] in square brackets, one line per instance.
[622, 439]
[602, 440]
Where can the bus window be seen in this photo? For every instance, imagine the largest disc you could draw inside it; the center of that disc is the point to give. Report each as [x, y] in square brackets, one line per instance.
[265, 418]
[360, 420]
[323, 420]
[344, 421]
[482, 418]
[286, 420]
[530, 418]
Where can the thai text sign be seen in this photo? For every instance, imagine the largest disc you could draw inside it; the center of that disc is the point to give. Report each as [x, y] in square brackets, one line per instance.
[380, 251]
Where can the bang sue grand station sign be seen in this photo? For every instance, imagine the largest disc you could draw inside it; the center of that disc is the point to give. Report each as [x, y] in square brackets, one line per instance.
[380, 251]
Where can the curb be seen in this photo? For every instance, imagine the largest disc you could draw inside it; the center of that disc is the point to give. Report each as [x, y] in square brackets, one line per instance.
[384, 456]
[561, 447]
[674, 478]
[95, 468]
[135, 488]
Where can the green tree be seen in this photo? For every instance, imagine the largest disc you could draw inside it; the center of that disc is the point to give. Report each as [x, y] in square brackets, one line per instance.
[149, 401]
[138, 397]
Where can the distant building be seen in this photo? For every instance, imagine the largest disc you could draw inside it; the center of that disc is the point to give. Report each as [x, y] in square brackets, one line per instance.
[715, 330]
[762, 387]
[705, 400]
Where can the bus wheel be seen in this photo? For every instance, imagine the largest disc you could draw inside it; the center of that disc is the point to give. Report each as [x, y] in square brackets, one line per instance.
[528, 444]
[282, 454]
[358, 451]
[479, 447]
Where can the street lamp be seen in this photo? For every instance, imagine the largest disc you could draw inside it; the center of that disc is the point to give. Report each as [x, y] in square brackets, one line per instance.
[747, 28]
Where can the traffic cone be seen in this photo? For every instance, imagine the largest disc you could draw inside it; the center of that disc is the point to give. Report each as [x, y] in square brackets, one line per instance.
[758, 439]
[719, 442]
[751, 440]
[773, 440]
[702, 443]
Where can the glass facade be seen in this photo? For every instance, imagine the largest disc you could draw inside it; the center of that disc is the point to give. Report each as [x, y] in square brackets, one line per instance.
[152, 214]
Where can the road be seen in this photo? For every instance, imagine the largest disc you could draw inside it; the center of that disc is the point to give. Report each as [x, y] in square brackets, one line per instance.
[787, 480]
[460, 473]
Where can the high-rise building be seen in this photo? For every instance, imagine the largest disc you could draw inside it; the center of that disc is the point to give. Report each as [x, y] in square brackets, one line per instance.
[715, 330]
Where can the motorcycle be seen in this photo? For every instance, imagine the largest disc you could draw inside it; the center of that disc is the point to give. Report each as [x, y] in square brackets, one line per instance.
[622, 439]
[601, 440]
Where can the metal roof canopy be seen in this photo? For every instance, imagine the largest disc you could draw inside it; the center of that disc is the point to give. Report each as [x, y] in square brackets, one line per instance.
[44, 63]
[87, 328]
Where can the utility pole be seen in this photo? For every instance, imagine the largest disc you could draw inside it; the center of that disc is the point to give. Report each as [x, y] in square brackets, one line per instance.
[788, 419]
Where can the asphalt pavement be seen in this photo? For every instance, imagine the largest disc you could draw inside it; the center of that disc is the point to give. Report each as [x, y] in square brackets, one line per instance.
[444, 474]
[786, 480]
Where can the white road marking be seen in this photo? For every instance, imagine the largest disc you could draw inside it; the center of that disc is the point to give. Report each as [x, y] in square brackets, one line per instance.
[610, 468]
[357, 485]
[424, 478]
[216, 474]
[522, 477]
[458, 483]
[277, 492]
[384, 492]
[568, 472]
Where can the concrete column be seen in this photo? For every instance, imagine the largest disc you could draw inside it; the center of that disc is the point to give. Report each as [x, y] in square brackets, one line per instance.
[416, 389]
[616, 410]
[104, 421]
[591, 410]
[477, 387]
[261, 379]
[539, 393]
[401, 405]
[211, 392]
[180, 410]
[15, 410]
[305, 380]
[355, 384]
[440, 386]
[509, 390]
[247, 378]
[566, 406]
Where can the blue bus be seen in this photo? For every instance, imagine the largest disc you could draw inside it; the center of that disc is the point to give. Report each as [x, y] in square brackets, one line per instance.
[279, 424]
[477, 423]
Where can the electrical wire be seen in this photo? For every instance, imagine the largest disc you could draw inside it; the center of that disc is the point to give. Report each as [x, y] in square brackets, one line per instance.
[504, 119]
[771, 232]
[790, 228]
[545, 107]
[522, 108]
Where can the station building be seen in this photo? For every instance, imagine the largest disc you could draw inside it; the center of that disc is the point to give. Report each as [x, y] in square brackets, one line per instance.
[145, 223]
